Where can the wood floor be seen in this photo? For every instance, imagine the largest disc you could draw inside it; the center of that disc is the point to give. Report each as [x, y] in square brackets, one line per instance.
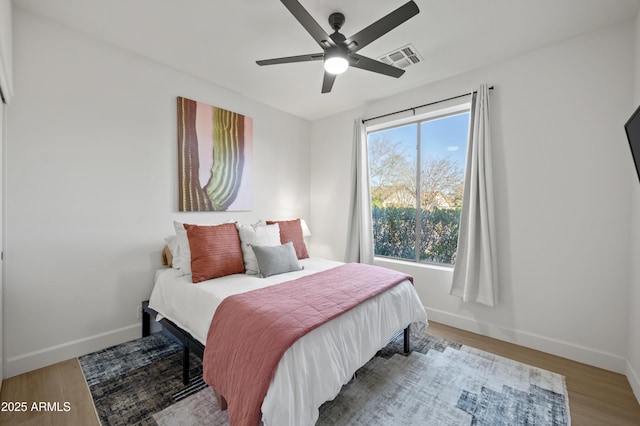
[596, 397]
[57, 384]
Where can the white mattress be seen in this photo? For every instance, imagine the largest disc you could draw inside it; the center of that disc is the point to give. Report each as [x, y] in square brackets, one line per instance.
[329, 355]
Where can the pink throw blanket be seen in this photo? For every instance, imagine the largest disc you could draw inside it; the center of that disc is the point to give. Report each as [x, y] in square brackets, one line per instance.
[251, 331]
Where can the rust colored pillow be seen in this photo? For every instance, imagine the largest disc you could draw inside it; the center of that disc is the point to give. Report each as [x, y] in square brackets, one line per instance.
[291, 230]
[215, 251]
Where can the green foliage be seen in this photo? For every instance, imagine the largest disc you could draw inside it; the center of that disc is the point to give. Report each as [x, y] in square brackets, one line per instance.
[439, 241]
[394, 233]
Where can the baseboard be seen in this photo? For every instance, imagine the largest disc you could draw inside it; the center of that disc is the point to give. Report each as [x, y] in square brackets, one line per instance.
[51, 355]
[578, 353]
[634, 380]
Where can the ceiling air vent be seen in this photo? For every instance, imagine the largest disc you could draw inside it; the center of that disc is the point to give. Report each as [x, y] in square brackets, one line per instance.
[402, 57]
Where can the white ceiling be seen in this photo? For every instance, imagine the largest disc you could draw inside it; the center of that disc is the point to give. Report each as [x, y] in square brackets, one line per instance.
[220, 40]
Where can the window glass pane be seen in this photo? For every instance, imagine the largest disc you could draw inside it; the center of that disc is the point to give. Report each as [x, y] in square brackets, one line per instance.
[443, 147]
[393, 164]
[417, 182]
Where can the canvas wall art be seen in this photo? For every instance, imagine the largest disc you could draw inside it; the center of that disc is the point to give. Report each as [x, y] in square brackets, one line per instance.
[214, 158]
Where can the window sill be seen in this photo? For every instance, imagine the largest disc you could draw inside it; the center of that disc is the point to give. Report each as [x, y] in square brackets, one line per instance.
[389, 261]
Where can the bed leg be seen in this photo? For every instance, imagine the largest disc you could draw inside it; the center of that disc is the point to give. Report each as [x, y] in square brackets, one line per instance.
[146, 320]
[407, 339]
[185, 365]
[221, 400]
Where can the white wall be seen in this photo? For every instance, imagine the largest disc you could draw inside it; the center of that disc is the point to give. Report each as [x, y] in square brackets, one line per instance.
[3, 127]
[6, 87]
[92, 187]
[330, 183]
[562, 190]
[633, 368]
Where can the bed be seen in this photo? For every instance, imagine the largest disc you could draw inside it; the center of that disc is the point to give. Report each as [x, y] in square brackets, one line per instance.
[316, 366]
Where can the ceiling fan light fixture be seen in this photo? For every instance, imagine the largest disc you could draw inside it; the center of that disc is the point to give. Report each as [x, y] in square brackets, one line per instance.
[335, 65]
[339, 52]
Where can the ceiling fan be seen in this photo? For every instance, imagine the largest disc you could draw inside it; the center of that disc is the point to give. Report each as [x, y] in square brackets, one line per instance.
[339, 52]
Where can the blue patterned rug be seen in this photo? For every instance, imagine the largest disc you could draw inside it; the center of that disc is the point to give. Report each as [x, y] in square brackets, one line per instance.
[441, 383]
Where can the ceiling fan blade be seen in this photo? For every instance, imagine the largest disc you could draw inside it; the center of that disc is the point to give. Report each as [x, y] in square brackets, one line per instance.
[309, 24]
[364, 63]
[382, 26]
[290, 59]
[327, 82]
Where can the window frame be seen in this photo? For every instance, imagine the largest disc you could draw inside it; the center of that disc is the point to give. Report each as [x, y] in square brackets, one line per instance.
[433, 112]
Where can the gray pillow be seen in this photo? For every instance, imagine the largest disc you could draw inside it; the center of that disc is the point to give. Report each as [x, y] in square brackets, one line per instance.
[274, 260]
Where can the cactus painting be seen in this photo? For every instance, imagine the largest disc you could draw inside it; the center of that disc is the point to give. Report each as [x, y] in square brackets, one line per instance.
[214, 158]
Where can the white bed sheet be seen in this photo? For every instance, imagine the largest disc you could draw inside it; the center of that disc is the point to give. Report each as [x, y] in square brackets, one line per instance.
[329, 355]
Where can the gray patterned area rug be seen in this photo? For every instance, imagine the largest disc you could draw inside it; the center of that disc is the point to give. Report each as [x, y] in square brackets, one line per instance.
[440, 383]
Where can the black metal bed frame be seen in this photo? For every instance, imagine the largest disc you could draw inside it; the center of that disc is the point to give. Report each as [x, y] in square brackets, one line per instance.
[190, 343]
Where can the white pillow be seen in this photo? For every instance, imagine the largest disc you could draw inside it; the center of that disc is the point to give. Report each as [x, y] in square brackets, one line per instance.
[182, 257]
[257, 234]
[172, 243]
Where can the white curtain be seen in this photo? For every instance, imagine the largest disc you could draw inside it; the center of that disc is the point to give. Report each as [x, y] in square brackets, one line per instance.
[475, 272]
[360, 231]
[6, 52]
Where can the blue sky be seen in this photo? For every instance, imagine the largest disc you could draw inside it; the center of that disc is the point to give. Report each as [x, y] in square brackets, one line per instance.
[443, 137]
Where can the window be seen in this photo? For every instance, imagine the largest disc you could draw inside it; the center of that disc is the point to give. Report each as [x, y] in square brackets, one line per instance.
[417, 181]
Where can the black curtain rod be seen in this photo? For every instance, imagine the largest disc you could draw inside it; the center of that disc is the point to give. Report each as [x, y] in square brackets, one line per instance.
[421, 106]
